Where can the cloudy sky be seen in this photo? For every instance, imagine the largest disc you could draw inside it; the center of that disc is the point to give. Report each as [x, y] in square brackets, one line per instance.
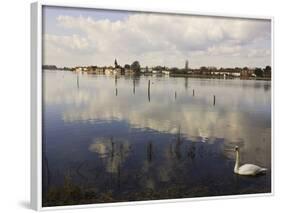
[73, 37]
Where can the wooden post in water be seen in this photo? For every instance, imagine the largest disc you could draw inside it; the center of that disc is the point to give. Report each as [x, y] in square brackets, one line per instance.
[148, 90]
[175, 95]
[193, 92]
[116, 92]
[77, 80]
[134, 86]
[214, 102]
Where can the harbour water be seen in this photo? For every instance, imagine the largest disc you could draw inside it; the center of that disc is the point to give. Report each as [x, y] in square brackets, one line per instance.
[114, 138]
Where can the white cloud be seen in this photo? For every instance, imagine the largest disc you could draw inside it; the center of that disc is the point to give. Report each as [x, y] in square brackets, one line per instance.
[225, 49]
[73, 42]
[156, 38]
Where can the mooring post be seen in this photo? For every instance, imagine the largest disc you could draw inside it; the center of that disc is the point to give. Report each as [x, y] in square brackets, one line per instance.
[134, 86]
[214, 103]
[193, 92]
[116, 92]
[77, 80]
[175, 95]
[148, 90]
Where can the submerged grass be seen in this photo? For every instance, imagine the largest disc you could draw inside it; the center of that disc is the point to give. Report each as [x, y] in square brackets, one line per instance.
[71, 194]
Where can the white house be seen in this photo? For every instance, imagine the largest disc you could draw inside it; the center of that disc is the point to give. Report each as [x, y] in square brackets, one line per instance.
[156, 71]
[143, 70]
[166, 72]
[236, 74]
[78, 69]
[117, 71]
[108, 71]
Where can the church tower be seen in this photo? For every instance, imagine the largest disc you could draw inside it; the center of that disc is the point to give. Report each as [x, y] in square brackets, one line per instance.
[186, 65]
[115, 63]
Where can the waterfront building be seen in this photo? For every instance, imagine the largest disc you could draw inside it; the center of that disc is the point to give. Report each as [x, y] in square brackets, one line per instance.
[143, 70]
[117, 71]
[128, 71]
[99, 70]
[108, 71]
[78, 69]
[166, 72]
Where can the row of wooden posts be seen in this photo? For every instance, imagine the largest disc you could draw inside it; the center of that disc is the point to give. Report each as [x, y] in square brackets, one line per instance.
[193, 93]
[148, 89]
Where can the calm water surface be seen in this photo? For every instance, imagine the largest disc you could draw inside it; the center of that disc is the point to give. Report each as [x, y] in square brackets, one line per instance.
[108, 139]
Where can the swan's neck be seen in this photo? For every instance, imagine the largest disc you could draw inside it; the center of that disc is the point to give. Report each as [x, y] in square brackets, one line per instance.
[237, 163]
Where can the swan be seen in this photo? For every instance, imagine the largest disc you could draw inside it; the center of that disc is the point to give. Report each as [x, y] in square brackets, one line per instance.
[246, 169]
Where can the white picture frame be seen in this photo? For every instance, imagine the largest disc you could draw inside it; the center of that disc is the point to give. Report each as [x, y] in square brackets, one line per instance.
[36, 104]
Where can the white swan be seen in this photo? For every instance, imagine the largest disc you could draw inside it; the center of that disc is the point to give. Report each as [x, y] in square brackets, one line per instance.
[246, 169]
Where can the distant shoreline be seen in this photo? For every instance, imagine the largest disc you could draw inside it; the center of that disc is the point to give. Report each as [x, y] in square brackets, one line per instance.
[172, 75]
[219, 77]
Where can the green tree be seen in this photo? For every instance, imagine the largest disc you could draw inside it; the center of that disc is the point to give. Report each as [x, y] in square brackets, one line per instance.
[127, 66]
[259, 72]
[267, 71]
[174, 70]
[136, 66]
[267, 68]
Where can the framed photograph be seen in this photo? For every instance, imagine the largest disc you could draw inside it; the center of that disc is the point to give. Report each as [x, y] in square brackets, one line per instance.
[135, 106]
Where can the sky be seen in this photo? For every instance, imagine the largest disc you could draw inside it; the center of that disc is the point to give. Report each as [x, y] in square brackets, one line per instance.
[82, 37]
